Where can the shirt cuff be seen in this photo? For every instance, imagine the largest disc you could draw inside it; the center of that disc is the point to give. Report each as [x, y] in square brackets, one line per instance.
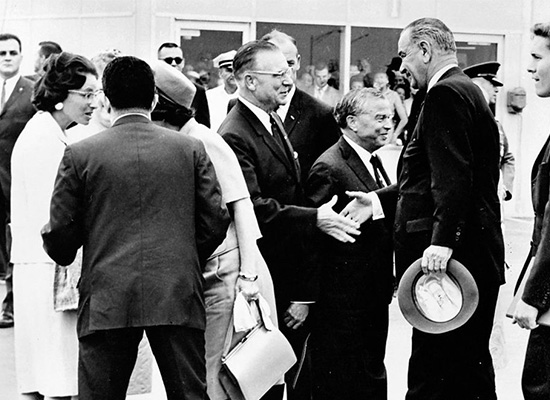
[377, 210]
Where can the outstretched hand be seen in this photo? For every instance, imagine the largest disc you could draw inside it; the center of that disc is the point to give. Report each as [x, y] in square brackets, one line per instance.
[359, 209]
[335, 225]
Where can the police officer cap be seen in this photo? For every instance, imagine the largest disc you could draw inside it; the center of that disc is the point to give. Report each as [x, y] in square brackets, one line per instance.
[224, 60]
[487, 70]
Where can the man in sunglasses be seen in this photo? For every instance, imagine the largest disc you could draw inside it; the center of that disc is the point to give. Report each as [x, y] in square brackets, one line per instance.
[172, 54]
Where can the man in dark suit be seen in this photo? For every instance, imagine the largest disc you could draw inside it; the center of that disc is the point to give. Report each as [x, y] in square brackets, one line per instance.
[348, 338]
[173, 55]
[15, 110]
[447, 205]
[309, 123]
[272, 173]
[536, 296]
[145, 204]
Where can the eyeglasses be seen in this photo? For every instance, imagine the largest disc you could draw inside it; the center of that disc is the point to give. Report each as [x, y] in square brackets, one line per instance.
[285, 73]
[89, 96]
[169, 60]
[381, 118]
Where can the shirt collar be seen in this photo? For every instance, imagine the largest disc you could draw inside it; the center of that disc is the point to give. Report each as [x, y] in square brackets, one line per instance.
[127, 114]
[259, 113]
[363, 154]
[10, 84]
[437, 76]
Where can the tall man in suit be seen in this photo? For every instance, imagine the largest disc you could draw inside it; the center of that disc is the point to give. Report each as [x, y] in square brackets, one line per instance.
[15, 110]
[309, 123]
[536, 296]
[145, 204]
[272, 173]
[356, 280]
[173, 55]
[447, 205]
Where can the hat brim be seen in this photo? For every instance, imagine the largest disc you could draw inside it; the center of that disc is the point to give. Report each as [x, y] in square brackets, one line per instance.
[411, 310]
[496, 82]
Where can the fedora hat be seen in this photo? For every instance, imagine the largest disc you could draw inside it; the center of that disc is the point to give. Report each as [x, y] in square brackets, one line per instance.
[437, 302]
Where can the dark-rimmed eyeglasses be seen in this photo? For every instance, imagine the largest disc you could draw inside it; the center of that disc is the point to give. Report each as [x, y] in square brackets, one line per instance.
[285, 73]
[89, 96]
[170, 60]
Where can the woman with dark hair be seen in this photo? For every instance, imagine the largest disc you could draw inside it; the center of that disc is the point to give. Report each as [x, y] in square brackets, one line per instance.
[46, 345]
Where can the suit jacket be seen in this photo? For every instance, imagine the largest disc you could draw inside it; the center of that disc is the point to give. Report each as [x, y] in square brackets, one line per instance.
[13, 118]
[311, 128]
[353, 276]
[145, 203]
[448, 192]
[329, 97]
[537, 287]
[200, 105]
[277, 194]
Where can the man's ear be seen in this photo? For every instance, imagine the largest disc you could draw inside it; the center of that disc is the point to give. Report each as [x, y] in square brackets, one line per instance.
[107, 105]
[298, 58]
[249, 82]
[351, 122]
[426, 49]
[155, 101]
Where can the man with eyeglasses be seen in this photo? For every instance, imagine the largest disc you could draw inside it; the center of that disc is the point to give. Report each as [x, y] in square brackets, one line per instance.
[272, 172]
[15, 111]
[219, 97]
[172, 54]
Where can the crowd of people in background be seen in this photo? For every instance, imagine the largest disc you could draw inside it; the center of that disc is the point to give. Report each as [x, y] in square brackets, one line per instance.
[173, 194]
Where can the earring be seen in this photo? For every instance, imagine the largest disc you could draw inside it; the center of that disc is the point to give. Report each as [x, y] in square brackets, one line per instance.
[59, 106]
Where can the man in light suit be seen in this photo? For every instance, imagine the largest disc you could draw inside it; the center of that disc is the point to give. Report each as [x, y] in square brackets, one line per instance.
[447, 205]
[272, 173]
[309, 123]
[321, 89]
[15, 110]
[536, 297]
[348, 339]
[145, 204]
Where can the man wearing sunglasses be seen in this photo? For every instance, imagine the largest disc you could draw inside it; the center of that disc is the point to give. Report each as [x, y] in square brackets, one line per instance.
[172, 54]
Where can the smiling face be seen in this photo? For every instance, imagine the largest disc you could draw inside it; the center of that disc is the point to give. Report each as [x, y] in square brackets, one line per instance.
[413, 61]
[10, 58]
[270, 91]
[370, 127]
[76, 107]
[539, 65]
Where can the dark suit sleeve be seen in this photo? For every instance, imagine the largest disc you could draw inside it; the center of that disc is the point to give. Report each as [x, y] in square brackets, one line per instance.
[63, 235]
[320, 185]
[446, 123]
[212, 218]
[200, 105]
[271, 214]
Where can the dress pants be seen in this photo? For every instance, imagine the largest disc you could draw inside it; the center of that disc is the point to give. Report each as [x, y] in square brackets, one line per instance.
[535, 381]
[456, 365]
[107, 358]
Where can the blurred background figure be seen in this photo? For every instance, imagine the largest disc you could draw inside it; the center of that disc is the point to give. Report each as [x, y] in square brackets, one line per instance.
[46, 345]
[400, 118]
[356, 82]
[101, 59]
[218, 98]
[322, 90]
[45, 50]
[305, 82]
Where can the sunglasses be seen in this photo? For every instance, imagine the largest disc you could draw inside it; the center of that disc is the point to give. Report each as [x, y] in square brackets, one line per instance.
[169, 60]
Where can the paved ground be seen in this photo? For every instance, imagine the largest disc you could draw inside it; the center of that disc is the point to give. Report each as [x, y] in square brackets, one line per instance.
[510, 360]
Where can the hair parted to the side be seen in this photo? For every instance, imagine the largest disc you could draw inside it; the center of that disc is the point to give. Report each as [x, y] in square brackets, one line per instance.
[47, 48]
[434, 31]
[128, 82]
[354, 103]
[245, 58]
[8, 36]
[542, 29]
[63, 72]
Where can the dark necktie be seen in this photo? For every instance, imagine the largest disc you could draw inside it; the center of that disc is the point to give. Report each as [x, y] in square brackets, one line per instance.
[280, 135]
[380, 176]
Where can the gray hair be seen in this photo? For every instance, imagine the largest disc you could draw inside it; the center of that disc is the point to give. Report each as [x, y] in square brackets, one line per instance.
[354, 103]
[433, 31]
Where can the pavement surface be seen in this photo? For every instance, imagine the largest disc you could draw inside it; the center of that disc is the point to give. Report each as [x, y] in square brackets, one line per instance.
[508, 358]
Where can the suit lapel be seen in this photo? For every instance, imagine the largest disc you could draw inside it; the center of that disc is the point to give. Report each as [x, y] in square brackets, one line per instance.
[294, 112]
[357, 165]
[266, 137]
[15, 95]
[543, 156]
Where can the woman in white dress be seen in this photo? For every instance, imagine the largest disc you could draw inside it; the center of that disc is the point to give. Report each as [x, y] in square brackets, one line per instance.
[46, 345]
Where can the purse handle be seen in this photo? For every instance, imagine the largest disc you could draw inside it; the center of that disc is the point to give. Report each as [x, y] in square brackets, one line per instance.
[265, 320]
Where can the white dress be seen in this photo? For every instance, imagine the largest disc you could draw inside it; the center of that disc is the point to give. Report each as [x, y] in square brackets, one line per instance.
[46, 344]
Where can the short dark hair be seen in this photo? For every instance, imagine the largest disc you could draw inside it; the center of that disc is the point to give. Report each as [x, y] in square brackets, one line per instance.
[47, 48]
[542, 30]
[354, 103]
[168, 111]
[63, 72]
[245, 58]
[170, 45]
[128, 82]
[8, 36]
